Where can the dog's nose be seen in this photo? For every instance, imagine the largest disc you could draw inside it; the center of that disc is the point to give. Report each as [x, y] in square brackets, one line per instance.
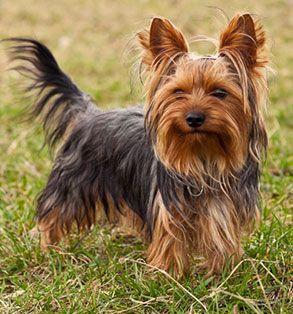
[195, 119]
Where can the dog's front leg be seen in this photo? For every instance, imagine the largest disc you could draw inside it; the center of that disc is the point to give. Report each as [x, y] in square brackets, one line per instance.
[168, 249]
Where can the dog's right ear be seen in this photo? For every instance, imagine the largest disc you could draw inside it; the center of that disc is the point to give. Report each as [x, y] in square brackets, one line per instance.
[162, 42]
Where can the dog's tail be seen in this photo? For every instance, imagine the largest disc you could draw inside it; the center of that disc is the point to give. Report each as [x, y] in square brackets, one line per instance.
[58, 101]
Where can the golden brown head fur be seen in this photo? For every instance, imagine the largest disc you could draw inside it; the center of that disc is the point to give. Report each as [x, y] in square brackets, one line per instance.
[180, 83]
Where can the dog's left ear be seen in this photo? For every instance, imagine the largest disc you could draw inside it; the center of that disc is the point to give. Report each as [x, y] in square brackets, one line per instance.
[162, 42]
[245, 38]
[243, 43]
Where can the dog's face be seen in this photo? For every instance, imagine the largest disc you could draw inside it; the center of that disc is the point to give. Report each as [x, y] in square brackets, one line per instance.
[201, 111]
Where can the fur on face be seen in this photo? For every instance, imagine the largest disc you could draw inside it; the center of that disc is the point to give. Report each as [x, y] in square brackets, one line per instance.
[223, 88]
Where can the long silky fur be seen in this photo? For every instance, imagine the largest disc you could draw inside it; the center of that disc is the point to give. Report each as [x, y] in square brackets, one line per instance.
[58, 99]
[107, 162]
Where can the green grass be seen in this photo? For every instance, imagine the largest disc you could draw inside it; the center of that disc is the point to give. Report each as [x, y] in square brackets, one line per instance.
[99, 272]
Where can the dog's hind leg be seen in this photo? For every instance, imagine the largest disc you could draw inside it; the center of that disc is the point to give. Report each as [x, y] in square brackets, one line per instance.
[70, 197]
[50, 229]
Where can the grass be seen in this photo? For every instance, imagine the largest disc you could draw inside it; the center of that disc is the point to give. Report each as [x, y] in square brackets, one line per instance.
[101, 273]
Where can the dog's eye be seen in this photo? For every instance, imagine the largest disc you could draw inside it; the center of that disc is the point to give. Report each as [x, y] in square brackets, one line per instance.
[178, 91]
[172, 71]
[219, 93]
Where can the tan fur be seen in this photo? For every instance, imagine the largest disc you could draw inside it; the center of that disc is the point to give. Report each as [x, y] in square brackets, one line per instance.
[51, 232]
[127, 222]
[169, 248]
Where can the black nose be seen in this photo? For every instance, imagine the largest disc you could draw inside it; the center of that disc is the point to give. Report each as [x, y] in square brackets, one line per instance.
[195, 119]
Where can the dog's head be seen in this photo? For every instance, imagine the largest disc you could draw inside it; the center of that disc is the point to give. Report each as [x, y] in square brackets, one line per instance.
[203, 113]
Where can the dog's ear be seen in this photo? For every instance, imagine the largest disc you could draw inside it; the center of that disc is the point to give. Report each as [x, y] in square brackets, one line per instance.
[162, 42]
[243, 43]
[244, 38]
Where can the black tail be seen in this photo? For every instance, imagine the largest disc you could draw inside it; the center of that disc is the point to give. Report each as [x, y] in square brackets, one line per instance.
[58, 101]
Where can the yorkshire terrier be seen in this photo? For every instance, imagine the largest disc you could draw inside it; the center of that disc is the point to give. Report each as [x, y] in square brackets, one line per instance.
[182, 171]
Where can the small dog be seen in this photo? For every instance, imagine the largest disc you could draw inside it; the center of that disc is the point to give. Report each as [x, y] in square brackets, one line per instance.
[183, 171]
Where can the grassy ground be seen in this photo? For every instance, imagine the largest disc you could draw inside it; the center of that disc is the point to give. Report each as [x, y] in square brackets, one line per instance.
[102, 273]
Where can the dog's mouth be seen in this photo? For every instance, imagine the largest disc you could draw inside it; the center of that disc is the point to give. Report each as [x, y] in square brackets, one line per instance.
[199, 132]
[204, 136]
[193, 133]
